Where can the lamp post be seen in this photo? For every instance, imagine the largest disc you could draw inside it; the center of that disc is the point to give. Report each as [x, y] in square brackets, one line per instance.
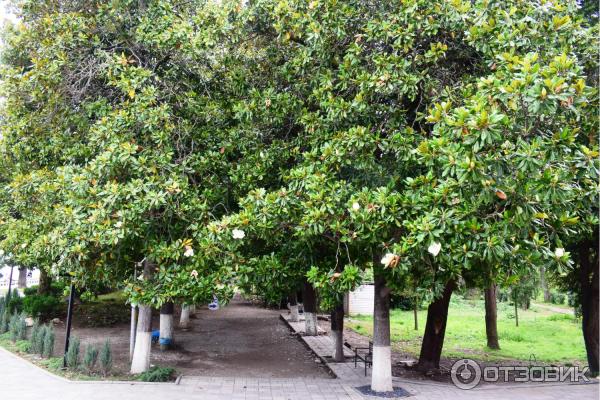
[12, 267]
[69, 318]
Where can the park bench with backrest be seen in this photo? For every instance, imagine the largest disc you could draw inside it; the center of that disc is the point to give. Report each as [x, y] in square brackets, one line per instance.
[364, 354]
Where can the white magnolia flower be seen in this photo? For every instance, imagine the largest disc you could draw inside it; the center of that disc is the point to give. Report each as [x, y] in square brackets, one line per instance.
[388, 259]
[188, 251]
[355, 206]
[434, 248]
[119, 224]
[238, 234]
[24, 245]
[194, 273]
[1, 252]
[559, 252]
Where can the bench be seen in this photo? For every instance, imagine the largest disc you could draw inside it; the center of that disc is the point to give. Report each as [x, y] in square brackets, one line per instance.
[364, 354]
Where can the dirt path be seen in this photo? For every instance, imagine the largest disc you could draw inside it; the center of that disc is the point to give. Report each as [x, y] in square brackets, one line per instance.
[238, 340]
[554, 309]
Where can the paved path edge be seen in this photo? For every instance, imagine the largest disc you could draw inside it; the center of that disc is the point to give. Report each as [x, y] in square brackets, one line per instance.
[99, 382]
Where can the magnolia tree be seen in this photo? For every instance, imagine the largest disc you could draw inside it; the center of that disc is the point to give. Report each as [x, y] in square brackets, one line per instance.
[124, 133]
[441, 139]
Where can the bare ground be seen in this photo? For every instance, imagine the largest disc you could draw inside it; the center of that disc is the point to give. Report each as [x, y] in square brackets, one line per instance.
[237, 340]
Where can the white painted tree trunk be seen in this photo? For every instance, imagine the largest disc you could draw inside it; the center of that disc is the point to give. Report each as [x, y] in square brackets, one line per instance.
[310, 321]
[381, 380]
[143, 341]
[166, 326]
[140, 361]
[294, 313]
[184, 320]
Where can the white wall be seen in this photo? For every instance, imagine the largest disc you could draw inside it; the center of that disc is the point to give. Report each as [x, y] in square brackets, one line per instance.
[361, 300]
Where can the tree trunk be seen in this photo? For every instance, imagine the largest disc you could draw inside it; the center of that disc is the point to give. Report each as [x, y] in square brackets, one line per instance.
[516, 313]
[22, 282]
[310, 310]
[435, 330]
[381, 379]
[491, 317]
[415, 314]
[143, 339]
[293, 299]
[544, 284]
[45, 282]
[588, 277]
[184, 319]
[166, 326]
[337, 333]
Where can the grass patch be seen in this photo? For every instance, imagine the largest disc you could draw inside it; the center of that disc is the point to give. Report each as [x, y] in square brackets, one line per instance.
[547, 336]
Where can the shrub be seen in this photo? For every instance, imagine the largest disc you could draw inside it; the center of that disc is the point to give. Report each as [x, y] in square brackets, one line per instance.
[15, 304]
[42, 306]
[24, 346]
[90, 357]
[35, 332]
[157, 374]
[57, 289]
[40, 339]
[4, 320]
[21, 328]
[13, 327]
[48, 349]
[105, 357]
[557, 298]
[561, 317]
[405, 303]
[73, 353]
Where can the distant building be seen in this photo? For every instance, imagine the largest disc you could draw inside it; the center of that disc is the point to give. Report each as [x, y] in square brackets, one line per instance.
[33, 277]
[360, 301]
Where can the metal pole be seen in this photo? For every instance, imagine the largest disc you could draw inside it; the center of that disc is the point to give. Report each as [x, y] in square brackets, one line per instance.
[9, 284]
[133, 330]
[69, 317]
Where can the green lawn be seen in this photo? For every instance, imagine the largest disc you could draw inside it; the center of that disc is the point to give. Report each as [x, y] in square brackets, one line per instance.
[550, 337]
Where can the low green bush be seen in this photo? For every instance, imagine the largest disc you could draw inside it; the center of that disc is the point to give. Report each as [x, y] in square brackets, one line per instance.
[48, 348]
[24, 346]
[90, 357]
[35, 332]
[157, 374]
[17, 327]
[72, 355]
[15, 304]
[57, 289]
[40, 337]
[105, 358]
[557, 298]
[42, 306]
